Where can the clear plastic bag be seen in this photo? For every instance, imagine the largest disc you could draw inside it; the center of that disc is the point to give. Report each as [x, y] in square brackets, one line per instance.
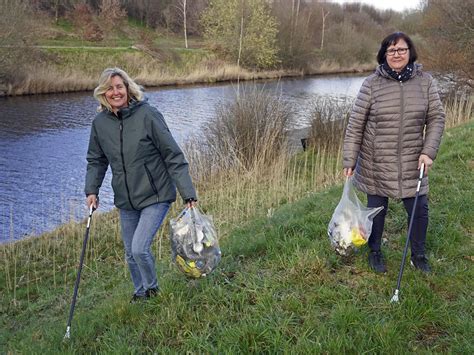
[351, 222]
[194, 245]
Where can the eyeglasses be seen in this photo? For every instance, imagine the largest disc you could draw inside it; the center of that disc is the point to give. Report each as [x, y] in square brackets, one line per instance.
[400, 51]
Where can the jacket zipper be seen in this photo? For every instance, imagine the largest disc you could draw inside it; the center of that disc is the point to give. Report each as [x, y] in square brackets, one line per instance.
[400, 129]
[123, 161]
[152, 182]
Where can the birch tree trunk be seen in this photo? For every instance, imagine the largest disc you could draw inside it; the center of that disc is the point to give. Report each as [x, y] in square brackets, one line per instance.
[240, 46]
[324, 27]
[56, 12]
[185, 25]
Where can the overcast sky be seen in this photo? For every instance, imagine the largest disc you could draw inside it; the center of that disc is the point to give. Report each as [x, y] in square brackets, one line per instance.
[397, 5]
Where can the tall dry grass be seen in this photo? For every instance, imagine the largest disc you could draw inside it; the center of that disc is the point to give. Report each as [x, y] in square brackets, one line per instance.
[328, 118]
[27, 265]
[248, 133]
[458, 108]
[243, 166]
[79, 70]
[46, 80]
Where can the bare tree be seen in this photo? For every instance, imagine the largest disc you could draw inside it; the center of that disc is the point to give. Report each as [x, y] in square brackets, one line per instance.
[241, 31]
[240, 44]
[17, 34]
[56, 8]
[295, 10]
[182, 8]
[324, 15]
[184, 24]
[111, 14]
[449, 28]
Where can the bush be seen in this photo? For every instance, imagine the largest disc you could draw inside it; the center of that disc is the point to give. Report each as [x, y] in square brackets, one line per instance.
[328, 120]
[348, 47]
[247, 133]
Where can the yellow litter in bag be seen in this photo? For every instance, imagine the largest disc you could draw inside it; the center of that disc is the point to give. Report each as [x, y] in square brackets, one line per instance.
[356, 237]
[189, 268]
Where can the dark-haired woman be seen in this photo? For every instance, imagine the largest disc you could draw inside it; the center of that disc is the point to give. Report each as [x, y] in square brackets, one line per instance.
[396, 124]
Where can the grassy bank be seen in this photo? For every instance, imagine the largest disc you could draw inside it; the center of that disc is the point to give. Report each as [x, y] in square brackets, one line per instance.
[279, 288]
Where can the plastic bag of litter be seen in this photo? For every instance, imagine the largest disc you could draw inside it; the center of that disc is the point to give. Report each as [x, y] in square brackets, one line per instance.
[351, 222]
[194, 245]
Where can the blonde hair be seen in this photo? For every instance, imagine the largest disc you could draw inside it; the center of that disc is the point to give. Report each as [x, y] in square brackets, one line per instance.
[134, 91]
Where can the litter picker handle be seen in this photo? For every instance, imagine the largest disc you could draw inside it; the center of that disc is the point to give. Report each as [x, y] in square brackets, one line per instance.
[395, 298]
[78, 277]
[422, 171]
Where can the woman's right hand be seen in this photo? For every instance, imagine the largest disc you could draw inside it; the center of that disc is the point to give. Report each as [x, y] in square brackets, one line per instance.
[92, 200]
[348, 172]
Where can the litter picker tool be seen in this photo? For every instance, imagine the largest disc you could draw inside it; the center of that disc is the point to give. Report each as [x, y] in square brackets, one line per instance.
[78, 277]
[395, 298]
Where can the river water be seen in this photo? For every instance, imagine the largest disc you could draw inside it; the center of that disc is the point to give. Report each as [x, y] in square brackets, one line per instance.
[43, 143]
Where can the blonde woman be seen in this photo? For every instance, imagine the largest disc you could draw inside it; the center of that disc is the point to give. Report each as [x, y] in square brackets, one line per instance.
[147, 165]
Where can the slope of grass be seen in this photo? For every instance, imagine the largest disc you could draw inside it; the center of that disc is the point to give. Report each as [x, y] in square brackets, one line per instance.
[279, 287]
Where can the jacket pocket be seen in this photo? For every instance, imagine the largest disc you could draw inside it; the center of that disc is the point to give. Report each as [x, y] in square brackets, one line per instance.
[151, 180]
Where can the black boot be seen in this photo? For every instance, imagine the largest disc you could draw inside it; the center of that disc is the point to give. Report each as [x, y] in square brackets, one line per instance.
[152, 292]
[420, 262]
[376, 262]
[138, 298]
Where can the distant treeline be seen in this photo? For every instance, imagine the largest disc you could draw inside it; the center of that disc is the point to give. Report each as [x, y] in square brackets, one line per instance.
[253, 34]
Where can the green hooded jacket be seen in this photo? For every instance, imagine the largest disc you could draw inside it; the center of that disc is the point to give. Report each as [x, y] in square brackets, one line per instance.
[147, 163]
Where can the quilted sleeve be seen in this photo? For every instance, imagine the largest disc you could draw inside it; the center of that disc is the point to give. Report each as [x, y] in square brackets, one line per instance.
[355, 127]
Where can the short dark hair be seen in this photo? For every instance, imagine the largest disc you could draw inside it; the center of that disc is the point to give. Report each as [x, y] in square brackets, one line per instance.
[393, 39]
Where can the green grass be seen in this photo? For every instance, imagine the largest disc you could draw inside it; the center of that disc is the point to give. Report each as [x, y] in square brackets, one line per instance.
[279, 287]
[65, 25]
[130, 33]
[92, 61]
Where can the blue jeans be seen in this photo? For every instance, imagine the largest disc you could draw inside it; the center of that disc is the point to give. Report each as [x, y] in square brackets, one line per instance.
[138, 230]
[420, 223]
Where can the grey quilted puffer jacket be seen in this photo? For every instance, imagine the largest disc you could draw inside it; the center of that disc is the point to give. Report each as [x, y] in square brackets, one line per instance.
[391, 124]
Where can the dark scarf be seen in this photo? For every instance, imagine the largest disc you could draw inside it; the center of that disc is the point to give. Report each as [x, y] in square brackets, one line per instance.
[402, 76]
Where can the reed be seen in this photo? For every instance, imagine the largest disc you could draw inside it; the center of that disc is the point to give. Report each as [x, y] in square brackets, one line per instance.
[333, 67]
[328, 118]
[47, 79]
[459, 108]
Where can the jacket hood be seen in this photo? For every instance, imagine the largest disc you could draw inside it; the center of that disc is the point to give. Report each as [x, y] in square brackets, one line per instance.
[383, 73]
[127, 111]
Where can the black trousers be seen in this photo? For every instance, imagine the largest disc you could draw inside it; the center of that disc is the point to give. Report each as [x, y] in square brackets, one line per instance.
[420, 223]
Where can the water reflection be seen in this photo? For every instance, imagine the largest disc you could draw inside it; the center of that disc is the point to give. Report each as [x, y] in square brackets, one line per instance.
[43, 143]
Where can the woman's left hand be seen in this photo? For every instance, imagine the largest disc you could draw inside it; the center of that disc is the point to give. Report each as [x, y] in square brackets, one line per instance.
[191, 203]
[427, 161]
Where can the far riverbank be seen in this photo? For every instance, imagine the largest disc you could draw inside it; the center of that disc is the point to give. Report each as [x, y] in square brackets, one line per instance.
[77, 69]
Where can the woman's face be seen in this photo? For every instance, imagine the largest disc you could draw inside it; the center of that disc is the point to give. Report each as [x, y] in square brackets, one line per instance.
[395, 59]
[116, 95]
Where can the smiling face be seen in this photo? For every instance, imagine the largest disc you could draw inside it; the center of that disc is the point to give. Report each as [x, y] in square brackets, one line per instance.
[117, 95]
[395, 60]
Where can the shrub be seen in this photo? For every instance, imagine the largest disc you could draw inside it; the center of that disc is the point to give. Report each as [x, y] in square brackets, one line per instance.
[328, 119]
[247, 133]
